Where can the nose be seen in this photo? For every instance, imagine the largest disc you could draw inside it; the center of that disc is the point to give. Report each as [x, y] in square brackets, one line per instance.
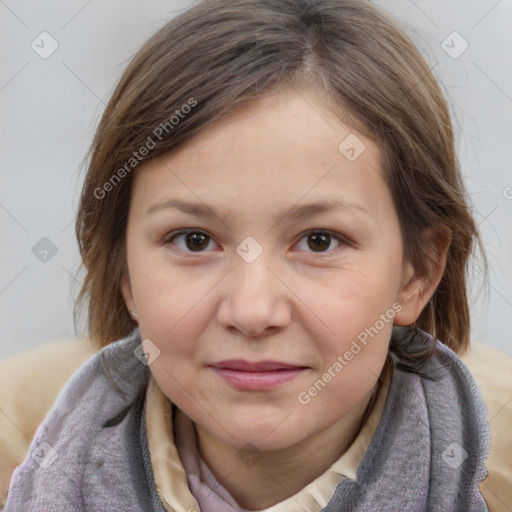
[255, 299]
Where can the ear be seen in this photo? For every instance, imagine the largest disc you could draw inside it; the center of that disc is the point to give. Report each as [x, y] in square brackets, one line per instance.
[417, 289]
[126, 290]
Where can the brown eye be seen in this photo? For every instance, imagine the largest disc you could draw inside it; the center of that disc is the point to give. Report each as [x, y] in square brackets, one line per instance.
[191, 241]
[321, 242]
[196, 241]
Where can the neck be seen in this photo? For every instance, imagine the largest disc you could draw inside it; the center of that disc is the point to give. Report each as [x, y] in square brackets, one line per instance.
[282, 473]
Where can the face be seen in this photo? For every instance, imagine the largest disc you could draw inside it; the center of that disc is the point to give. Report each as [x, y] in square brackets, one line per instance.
[251, 274]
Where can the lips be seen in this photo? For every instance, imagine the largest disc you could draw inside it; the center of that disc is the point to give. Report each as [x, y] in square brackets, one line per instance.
[258, 366]
[258, 375]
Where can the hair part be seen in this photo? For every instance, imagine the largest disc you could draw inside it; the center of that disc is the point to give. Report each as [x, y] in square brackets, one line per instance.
[224, 54]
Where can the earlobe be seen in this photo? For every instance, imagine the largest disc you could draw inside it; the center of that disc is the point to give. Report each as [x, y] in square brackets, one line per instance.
[408, 297]
[417, 289]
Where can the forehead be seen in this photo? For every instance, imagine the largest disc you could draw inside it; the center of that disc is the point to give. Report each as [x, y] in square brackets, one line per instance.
[279, 123]
[287, 147]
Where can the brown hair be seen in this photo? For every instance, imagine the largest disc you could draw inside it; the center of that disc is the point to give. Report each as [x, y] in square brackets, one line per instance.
[221, 54]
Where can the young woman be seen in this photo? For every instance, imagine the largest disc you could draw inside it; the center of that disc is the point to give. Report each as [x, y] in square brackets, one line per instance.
[275, 230]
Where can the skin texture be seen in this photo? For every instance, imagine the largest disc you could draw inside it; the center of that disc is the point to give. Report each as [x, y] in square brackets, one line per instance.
[301, 301]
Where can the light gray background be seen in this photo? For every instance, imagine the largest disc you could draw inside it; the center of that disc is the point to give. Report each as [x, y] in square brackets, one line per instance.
[49, 108]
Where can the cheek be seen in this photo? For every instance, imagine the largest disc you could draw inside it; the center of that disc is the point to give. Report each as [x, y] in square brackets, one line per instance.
[355, 297]
[168, 302]
[171, 317]
[357, 316]
[353, 350]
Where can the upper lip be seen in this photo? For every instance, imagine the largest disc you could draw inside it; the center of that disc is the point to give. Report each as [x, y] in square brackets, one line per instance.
[254, 366]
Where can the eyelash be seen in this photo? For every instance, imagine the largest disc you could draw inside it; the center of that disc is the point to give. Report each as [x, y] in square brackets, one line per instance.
[341, 239]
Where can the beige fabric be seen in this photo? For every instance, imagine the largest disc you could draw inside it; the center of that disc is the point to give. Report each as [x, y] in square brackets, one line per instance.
[29, 383]
[170, 477]
[171, 480]
[492, 371]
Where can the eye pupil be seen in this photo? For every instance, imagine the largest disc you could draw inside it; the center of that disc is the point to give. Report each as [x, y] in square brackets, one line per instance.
[323, 239]
[197, 240]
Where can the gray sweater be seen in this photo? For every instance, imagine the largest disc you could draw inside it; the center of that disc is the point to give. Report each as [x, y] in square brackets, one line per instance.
[90, 454]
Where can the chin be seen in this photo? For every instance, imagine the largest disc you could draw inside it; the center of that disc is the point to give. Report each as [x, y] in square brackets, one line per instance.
[266, 434]
[254, 441]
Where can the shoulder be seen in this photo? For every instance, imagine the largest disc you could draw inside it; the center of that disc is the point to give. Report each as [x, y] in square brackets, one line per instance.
[492, 370]
[29, 384]
[98, 395]
[454, 393]
[99, 389]
[38, 372]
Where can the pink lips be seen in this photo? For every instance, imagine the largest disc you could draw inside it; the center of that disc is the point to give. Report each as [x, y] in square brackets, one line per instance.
[260, 375]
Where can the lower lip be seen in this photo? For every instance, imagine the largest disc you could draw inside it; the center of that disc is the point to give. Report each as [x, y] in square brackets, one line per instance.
[258, 380]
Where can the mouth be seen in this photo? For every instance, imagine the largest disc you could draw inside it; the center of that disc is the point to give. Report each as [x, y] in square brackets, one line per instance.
[259, 375]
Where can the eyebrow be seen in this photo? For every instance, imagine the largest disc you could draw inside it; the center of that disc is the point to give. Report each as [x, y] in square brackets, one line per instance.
[296, 212]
